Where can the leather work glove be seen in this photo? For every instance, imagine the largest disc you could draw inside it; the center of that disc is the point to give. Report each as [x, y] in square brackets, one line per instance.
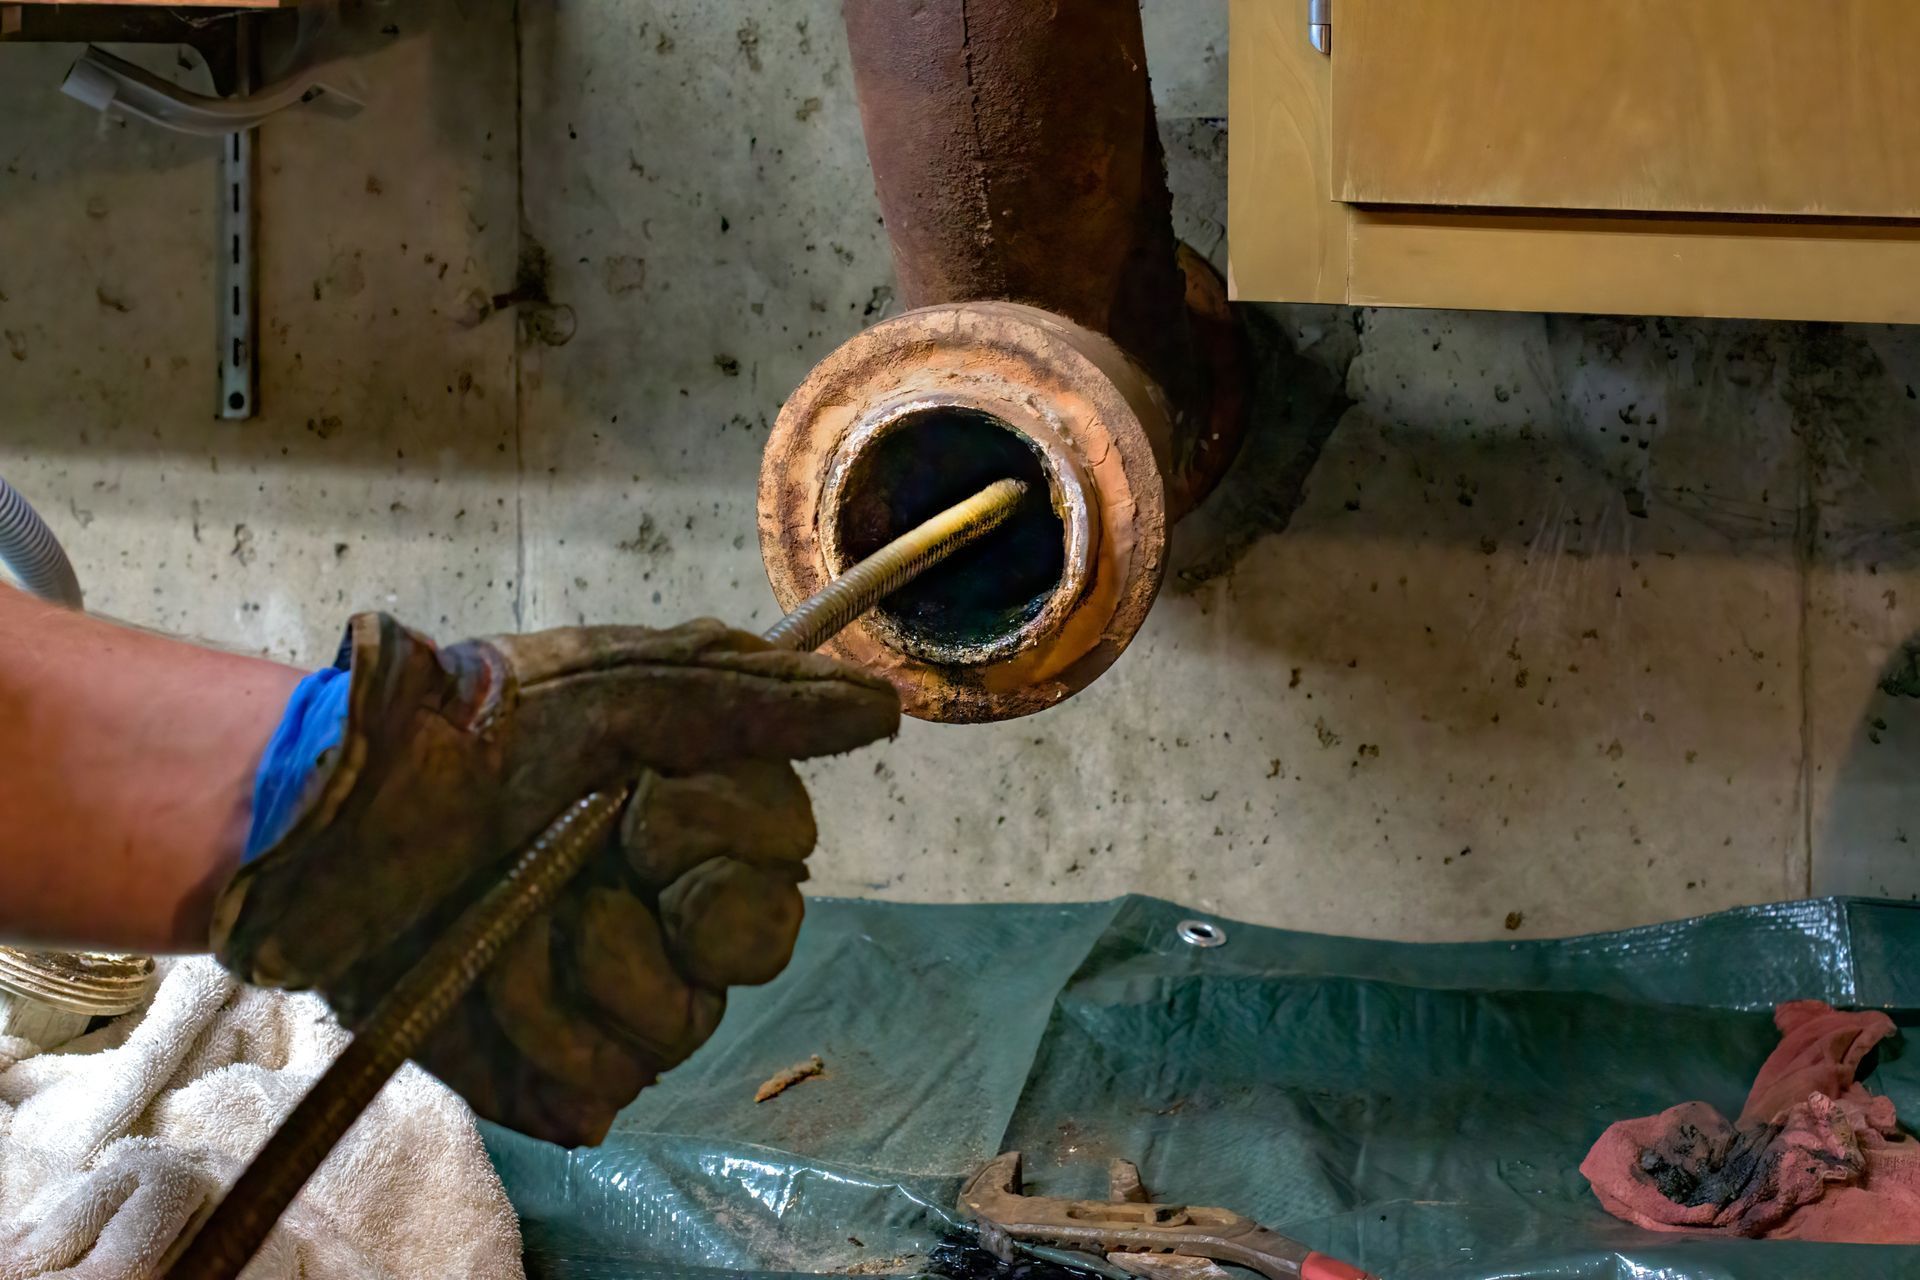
[449, 760]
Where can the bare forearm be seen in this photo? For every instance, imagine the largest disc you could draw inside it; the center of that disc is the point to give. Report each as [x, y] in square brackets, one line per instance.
[126, 773]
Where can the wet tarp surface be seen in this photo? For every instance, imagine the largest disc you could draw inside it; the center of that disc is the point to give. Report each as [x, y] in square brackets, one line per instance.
[1420, 1110]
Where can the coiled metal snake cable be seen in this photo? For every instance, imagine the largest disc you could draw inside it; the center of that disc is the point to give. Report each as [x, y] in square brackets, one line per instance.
[400, 1023]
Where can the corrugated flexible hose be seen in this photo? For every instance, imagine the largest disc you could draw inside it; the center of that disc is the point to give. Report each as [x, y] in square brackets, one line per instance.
[31, 553]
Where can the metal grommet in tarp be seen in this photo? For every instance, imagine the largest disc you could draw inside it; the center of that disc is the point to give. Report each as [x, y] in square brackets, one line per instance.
[1201, 933]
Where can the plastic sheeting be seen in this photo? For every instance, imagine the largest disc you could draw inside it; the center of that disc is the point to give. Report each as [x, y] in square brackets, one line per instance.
[1420, 1110]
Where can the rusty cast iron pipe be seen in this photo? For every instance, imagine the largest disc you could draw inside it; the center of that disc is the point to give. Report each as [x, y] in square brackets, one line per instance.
[920, 410]
[1058, 333]
[1016, 156]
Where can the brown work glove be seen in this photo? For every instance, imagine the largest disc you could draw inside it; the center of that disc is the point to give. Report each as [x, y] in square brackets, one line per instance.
[453, 759]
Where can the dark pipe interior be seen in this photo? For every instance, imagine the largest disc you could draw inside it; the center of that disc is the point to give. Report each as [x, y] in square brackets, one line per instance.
[925, 464]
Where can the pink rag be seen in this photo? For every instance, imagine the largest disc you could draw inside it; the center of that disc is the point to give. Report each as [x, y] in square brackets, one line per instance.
[1814, 1156]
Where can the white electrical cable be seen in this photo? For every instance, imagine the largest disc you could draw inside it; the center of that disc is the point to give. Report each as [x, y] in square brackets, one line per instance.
[108, 83]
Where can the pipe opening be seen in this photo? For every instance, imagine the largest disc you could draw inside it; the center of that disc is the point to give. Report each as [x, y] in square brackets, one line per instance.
[925, 462]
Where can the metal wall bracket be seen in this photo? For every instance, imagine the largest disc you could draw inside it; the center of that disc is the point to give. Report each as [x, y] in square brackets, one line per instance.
[237, 297]
[1320, 24]
[114, 85]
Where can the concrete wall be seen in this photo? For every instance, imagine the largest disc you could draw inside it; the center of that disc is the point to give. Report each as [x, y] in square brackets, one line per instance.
[1542, 624]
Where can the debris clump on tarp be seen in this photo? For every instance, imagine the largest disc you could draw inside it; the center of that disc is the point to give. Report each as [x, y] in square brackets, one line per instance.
[782, 1081]
[968, 1260]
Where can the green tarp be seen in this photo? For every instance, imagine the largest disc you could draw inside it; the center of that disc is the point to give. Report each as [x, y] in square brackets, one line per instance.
[1420, 1110]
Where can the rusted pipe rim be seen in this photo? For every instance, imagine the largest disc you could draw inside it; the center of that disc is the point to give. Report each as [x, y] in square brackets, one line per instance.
[893, 423]
[1086, 422]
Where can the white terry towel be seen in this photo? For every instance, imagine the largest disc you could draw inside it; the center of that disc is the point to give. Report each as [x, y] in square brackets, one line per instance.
[110, 1143]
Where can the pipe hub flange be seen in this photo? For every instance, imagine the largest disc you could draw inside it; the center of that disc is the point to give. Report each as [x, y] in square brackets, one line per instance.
[924, 409]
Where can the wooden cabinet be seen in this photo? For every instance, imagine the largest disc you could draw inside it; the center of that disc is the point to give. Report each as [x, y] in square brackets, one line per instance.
[171, 4]
[12, 11]
[1696, 157]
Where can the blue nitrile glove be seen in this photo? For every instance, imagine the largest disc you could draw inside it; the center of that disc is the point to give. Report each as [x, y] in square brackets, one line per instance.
[315, 719]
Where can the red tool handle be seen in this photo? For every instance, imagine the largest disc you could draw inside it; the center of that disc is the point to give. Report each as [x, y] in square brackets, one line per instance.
[1319, 1266]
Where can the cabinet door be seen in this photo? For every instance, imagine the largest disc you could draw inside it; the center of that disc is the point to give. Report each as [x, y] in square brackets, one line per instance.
[1668, 157]
[1804, 108]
